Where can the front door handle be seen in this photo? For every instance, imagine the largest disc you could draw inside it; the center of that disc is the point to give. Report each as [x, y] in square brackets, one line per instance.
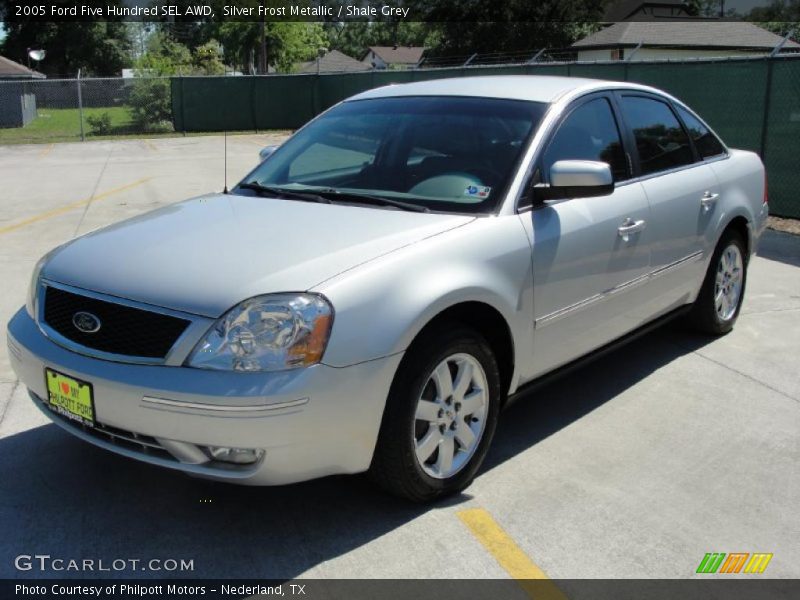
[708, 200]
[630, 226]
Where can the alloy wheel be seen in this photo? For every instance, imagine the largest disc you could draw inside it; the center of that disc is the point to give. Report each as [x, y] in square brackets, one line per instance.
[728, 282]
[450, 416]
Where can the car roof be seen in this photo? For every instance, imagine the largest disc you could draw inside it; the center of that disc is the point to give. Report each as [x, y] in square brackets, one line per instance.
[536, 88]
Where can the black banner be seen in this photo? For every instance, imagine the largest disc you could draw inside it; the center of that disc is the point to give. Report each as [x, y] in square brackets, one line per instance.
[507, 11]
[729, 588]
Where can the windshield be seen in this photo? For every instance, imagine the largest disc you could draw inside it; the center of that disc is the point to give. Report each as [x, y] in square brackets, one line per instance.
[452, 154]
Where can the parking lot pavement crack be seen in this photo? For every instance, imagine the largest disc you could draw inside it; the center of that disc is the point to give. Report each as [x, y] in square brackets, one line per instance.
[94, 191]
[745, 375]
[7, 401]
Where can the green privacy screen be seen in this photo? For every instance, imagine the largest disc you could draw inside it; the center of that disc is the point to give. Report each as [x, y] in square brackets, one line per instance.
[752, 103]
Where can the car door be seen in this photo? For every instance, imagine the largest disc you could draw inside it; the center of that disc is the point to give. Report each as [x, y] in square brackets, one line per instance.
[682, 191]
[588, 254]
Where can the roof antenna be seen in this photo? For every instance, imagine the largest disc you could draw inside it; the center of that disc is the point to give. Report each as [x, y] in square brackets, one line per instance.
[225, 176]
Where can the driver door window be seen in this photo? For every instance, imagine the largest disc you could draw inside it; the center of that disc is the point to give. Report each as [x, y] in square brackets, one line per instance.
[590, 132]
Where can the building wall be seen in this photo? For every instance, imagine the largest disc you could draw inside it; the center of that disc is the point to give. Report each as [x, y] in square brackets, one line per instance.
[663, 54]
[17, 106]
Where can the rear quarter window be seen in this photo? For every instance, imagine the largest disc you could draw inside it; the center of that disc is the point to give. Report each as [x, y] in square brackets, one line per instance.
[707, 144]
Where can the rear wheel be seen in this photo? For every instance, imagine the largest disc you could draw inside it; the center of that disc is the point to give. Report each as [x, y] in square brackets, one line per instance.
[717, 306]
[440, 416]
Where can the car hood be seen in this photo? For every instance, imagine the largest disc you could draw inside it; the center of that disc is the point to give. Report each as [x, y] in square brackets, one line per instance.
[207, 254]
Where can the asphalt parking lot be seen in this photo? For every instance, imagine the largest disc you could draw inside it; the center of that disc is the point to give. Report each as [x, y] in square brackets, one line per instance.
[633, 467]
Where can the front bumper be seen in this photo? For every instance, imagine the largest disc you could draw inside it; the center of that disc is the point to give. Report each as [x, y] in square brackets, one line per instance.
[310, 422]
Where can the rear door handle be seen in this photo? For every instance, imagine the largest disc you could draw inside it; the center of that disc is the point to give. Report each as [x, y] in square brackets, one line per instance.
[708, 200]
[630, 226]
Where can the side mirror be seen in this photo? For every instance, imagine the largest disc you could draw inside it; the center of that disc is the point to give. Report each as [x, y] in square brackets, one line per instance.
[266, 152]
[575, 179]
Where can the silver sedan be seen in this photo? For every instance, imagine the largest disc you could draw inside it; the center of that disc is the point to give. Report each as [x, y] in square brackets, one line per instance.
[373, 292]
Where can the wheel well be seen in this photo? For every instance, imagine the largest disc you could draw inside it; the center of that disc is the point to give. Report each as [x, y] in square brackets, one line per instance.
[487, 321]
[739, 225]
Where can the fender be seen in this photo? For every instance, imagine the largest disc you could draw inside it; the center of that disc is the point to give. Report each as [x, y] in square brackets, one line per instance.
[379, 309]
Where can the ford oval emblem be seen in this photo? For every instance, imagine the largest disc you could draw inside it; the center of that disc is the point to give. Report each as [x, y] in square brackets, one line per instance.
[86, 322]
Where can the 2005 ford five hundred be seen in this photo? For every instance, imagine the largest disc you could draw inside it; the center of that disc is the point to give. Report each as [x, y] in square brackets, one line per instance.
[371, 294]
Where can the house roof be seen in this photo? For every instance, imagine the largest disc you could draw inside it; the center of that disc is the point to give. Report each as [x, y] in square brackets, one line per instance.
[397, 55]
[12, 70]
[333, 62]
[627, 9]
[682, 34]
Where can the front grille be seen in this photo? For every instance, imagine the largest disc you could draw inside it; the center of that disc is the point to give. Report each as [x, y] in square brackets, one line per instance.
[124, 330]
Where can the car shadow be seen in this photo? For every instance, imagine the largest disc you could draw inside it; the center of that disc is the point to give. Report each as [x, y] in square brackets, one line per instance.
[65, 498]
[544, 410]
[780, 246]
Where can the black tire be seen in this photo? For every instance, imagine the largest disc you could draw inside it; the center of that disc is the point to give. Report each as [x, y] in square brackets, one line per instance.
[395, 466]
[704, 316]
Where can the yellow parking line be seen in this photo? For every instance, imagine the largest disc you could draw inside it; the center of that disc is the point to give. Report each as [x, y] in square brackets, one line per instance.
[68, 207]
[508, 555]
[150, 145]
[46, 151]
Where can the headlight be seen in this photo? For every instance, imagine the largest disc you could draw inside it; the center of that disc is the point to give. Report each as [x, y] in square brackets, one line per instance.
[33, 287]
[267, 333]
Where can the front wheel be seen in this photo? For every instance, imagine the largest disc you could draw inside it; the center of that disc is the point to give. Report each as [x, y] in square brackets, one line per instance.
[440, 416]
[717, 306]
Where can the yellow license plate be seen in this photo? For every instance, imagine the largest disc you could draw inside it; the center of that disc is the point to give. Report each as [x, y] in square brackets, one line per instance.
[70, 397]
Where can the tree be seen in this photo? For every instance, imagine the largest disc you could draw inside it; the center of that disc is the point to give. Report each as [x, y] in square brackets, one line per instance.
[287, 43]
[151, 97]
[353, 38]
[207, 59]
[464, 27]
[781, 17]
[164, 56]
[97, 48]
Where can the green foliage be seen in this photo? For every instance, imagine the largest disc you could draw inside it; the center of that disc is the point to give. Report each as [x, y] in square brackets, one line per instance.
[353, 38]
[151, 104]
[100, 123]
[164, 56]
[207, 59]
[461, 28]
[781, 17]
[97, 48]
[287, 43]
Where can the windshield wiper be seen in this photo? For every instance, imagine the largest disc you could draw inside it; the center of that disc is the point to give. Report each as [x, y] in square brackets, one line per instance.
[279, 192]
[335, 194]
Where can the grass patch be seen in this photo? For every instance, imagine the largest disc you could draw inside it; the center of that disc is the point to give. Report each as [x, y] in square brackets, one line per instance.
[63, 125]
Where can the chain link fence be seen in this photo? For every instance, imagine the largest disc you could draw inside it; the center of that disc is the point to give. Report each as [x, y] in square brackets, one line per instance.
[64, 110]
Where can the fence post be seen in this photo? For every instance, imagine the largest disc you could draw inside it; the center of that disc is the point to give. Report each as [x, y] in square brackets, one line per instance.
[183, 103]
[80, 105]
[535, 57]
[767, 100]
[253, 103]
[768, 93]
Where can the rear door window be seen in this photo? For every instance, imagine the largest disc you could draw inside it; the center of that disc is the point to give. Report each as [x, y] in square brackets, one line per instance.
[661, 141]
